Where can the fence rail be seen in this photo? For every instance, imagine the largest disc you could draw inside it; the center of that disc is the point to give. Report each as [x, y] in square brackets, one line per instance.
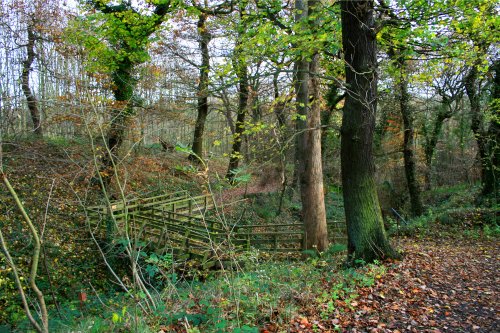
[178, 221]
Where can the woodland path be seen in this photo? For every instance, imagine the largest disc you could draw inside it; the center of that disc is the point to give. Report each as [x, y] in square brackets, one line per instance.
[255, 187]
[442, 285]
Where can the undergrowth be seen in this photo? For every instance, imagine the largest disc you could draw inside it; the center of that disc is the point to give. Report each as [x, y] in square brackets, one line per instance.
[453, 211]
[233, 300]
[254, 289]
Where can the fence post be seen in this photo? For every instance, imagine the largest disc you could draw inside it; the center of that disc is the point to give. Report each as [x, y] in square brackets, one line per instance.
[186, 241]
[248, 239]
[275, 238]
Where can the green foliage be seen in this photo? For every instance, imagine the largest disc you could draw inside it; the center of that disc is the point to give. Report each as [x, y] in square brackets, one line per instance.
[188, 169]
[113, 38]
[447, 197]
[236, 301]
[113, 316]
[491, 231]
[241, 175]
[334, 203]
[452, 209]
[159, 268]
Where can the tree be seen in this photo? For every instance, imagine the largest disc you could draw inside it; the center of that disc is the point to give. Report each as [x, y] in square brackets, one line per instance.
[449, 87]
[492, 179]
[25, 79]
[473, 91]
[126, 31]
[240, 68]
[474, 28]
[367, 239]
[202, 100]
[32, 27]
[408, 141]
[310, 169]
[205, 37]
[40, 324]
[405, 39]
[408, 131]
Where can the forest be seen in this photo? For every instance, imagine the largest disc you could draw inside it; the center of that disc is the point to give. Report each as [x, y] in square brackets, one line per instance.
[249, 166]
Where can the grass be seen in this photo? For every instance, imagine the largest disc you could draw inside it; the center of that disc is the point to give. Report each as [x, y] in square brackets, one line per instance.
[233, 301]
[451, 209]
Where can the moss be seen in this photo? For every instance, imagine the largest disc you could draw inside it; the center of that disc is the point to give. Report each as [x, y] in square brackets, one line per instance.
[367, 237]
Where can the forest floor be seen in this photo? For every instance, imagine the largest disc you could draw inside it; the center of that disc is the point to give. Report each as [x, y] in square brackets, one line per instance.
[448, 280]
[448, 284]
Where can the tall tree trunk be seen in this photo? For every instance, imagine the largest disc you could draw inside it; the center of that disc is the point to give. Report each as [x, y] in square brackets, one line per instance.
[408, 143]
[242, 74]
[492, 176]
[301, 72]
[471, 89]
[279, 106]
[310, 162]
[199, 128]
[121, 113]
[25, 83]
[367, 239]
[139, 28]
[431, 139]
[311, 176]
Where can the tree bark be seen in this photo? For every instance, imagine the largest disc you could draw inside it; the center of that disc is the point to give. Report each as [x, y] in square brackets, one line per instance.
[311, 178]
[431, 140]
[242, 74]
[309, 151]
[408, 143]
[279, 106]
[199, 128]
[492, 176]
[477, 124]
[123, 91]
[367, 240]
[123, 81]
[25, 83]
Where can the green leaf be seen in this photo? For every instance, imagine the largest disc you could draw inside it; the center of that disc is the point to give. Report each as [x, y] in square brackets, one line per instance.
[116, 318]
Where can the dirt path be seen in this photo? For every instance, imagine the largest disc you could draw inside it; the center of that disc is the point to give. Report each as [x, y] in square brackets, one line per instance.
[255, 187]
[442, 285]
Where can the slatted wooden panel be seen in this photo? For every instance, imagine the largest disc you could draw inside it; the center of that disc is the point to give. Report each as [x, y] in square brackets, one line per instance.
[176, 221]
[285, 237]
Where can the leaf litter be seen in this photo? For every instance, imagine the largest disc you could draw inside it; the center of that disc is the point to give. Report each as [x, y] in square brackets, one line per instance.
[442, 285]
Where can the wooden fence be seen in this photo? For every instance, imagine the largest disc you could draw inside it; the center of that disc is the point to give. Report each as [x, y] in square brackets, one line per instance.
[178, 222]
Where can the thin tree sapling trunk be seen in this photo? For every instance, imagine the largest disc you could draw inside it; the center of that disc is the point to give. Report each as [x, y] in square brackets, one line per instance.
[408, 142]
[431, 140]
[42, 327]
[25, 83]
